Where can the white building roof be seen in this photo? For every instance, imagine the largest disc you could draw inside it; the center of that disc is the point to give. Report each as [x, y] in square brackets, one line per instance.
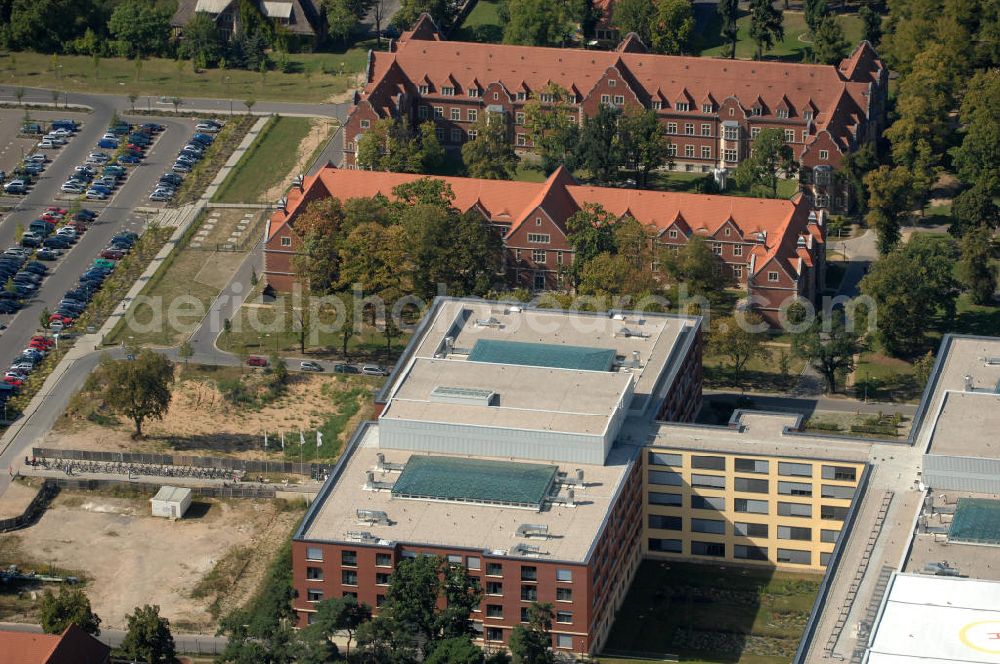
[937, 620]
[212, 6]
[278, 10]
[172, 494]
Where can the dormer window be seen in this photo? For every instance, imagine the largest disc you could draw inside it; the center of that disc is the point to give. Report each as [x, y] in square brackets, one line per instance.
[448, 91]
[808, 116]
[548, 98]
[757, 110]
[475, 92]
[783, 113]
[521, 96]
[682, 106]
[707, 108]
[657, 105]
[425, 89]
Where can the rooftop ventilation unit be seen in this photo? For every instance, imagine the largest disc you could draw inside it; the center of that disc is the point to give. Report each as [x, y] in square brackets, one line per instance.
[361, 536]
[969, 385]
[993, 361]
[384, 465]
[533, 530]
[487, 322]
[468, 396]
[572, 480]
[373, 517]
[629, 333]
[526, 550]
[372, 485]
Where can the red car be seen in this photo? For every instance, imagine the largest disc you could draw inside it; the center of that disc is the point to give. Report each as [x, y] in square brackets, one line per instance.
[11, 380]
[46, 341]
[113, 254]
[65, 320]
[38, 345]
[62, 212]
[51, 218]
[255, 361]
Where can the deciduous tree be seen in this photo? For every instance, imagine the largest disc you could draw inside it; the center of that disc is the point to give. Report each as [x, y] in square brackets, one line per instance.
[975, 269]
[673, 26]
[729, 11]
[531, 644]
[872, 25]
[889, 195]
[644, 141]
[148, 638]
[973, 208]
[538, 22]
[139, 389]
[739, 341]
[455, 650]
[339, 614]
[553, 129]
[69, 607]
[490, 155]
[769, 157]
[698, 267]
[766, 27]
[829, 346]
[143, 26]
[600, 150]
[635, 16]
[201, 40]
[829, 44]
[590, 231]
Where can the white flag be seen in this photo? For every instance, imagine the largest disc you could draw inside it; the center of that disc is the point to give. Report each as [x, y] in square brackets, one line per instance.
[282, 440]
[319, 439]
[265, 440]
[302, 438]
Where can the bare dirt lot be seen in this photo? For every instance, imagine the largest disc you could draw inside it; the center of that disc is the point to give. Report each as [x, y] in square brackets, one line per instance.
[201, 421]
[16, 499]
[131, 558]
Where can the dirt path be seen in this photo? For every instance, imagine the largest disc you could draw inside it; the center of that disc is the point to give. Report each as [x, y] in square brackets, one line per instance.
[319, 133]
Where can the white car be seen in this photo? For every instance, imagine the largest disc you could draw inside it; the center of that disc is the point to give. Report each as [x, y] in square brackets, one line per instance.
[159, 196]
[208, 127]
[56, 326]
[71, 188]
[67, 231]
[62, 131]
[98, 158]
[46, 144]
[37, 158]
[95, 195]
[55, 138]
[109, 136]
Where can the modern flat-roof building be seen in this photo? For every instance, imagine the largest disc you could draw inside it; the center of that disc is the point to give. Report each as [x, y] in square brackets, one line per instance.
[712, 108]
[775, 249]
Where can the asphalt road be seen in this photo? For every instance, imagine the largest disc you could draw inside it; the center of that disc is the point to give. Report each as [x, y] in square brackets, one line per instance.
[201, 644]
[115, 214]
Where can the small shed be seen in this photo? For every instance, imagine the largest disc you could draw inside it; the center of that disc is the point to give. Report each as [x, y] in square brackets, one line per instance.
[171, 502]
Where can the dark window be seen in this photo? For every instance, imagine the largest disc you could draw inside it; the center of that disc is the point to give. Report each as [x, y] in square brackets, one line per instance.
[529, 593]
[744, 529]
[709, 481]
[795, 533]
[834, 491]
[714, 549]
[383, 559]
[314, 573]
[795, 489]
[494, 588]
[314, 595]
[657, 498]
[529, 573]
[494, 569]
[832, 513]
[795, 509]
[843, 473]
[382, 578]
[828, 535]
[749, 506]
[708, 462]
[750, 485]
[749, 552]
[494, 634]
[349, 577]
[379, 601]
[664, 459]
[665, 545]
[349, 558]
[665, 522]
[664, 477]
[751, 465]
[714, 526]
[824, 559]
[794, 556]
[494, 611]
[564, 594]
[795, 469]
[708, 502]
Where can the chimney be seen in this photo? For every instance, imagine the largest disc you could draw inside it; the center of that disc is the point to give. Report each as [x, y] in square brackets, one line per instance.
[369, 479]
[381, 461]
[570, 497]
[579, 476]
[635, 359]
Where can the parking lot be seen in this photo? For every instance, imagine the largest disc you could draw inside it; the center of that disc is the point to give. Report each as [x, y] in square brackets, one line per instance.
[116, 213]
[12, 146]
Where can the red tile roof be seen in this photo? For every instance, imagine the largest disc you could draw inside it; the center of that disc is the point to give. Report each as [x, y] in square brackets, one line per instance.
[73, 646]
[781, 221]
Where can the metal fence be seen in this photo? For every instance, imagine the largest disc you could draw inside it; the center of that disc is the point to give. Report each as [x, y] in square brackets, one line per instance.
[313, 470]
[32, 511]
[243, 491]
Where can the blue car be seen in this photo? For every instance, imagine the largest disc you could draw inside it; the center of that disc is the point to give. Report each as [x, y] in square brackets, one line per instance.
[128, 159]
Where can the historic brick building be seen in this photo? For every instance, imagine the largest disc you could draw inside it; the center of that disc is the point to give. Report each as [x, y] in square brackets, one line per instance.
[774, 248]
[712, 108]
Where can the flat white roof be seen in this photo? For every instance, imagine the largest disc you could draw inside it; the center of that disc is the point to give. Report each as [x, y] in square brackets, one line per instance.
[937, 620]
[172, 494]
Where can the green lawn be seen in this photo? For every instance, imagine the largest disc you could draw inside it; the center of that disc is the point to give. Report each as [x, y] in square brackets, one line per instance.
[712, 614]
[793, 47]
[482, 24]
[692, 182]
[758, 375]
[267, 163]
[314, 77]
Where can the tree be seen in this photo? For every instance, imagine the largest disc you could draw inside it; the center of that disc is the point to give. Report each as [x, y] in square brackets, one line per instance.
[974, 208]
[279, 370]
[139, 389]
[531, 644]
[635, 16]
[673, 26]
[729, 10]
[490, 155]
[538, 22]
[339, 614]
[455, 650]
[739, 341]
[201, 40]
[552, 128]
[910, 286]
[872, 25]
[591, 232]
[854, 166]
[142, 25]
[340, 19]
[249, 103]
[600, 149]
[697, 266]
[769, 157]
[69, 607]
[391, 145]
[412, 598]
[43, 318]
[922, 368]
[177, 102]
[645, 142]
[978, 158]
[975, 269]
[45, 26]
[148, 637]
[829, 346]
[317, 262]
[814, 12]
[185, 351]
[889, 195]
[766, 27]
[410, 10]
[608, 275]
[829, 44]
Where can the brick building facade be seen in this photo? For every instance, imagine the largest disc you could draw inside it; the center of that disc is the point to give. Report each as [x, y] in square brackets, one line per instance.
[712, 108]
[773, 248]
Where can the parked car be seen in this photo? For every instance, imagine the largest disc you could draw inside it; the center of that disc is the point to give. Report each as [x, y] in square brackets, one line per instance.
[256, 361]
[46, 255]
[37, 157]
[310, 366]
[180, 167]
[208, 127]
[160, 196]
[71, 188]
[128, 159]
[113, 254]
[345, 369]
[15, 187]
[108, 143]
[95, 195]
[374, 370]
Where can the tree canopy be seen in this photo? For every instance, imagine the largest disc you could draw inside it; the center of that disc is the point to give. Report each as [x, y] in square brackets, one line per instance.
[829, 345]
[69, 607]
[490, 154]
[769, 157]
[139, 389]
[148, 638]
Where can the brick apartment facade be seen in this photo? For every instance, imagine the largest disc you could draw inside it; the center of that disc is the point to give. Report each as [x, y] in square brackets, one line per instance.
[712, 108]
[773, 248]
[584, 596]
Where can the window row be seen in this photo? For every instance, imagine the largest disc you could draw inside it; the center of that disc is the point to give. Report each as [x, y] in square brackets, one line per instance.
[740, 528]
[528, 593]
[739, 551]
[750, 505]
[495, 611]
[540, 256]
[749, 465]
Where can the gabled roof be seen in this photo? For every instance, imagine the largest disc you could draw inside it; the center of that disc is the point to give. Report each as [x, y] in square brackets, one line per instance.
[73, 646]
